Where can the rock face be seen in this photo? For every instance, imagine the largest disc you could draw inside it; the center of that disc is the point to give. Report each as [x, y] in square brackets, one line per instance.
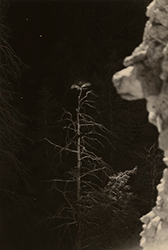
[146, 76]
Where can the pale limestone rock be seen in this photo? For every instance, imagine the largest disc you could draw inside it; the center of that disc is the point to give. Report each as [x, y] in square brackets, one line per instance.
[157, 15]
[164, 74]
[146, 218]
[151, 9]
[147, 77]
[153, 116]
[151, 83]
[150, 230]
[138, 55]
[162, 5]
[155, 228]
[160, 212]
[162, 106]
[146, 36]
[162, 231]
[158, 200]
[151, 103]
[143, 241]
[127, 85]
[163, 139]
[157, 106]
[156, 221]
[154, 54]
[158, 33]
[165, 159]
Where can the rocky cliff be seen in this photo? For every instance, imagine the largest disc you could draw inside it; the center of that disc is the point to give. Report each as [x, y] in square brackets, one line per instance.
[146, 76]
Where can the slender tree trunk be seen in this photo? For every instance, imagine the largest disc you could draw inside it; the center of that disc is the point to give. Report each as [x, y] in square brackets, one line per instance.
[78, 243]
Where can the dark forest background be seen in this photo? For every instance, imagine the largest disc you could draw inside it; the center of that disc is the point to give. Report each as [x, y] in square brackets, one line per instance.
[57, 44]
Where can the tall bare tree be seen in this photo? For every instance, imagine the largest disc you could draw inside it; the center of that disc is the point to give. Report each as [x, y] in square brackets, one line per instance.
[88, 187]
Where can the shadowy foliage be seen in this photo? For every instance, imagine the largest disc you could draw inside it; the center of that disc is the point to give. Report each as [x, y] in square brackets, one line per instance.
[14, 187]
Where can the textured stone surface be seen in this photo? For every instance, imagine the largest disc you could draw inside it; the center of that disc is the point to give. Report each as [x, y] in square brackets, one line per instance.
[146, 76]
[128, 86]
